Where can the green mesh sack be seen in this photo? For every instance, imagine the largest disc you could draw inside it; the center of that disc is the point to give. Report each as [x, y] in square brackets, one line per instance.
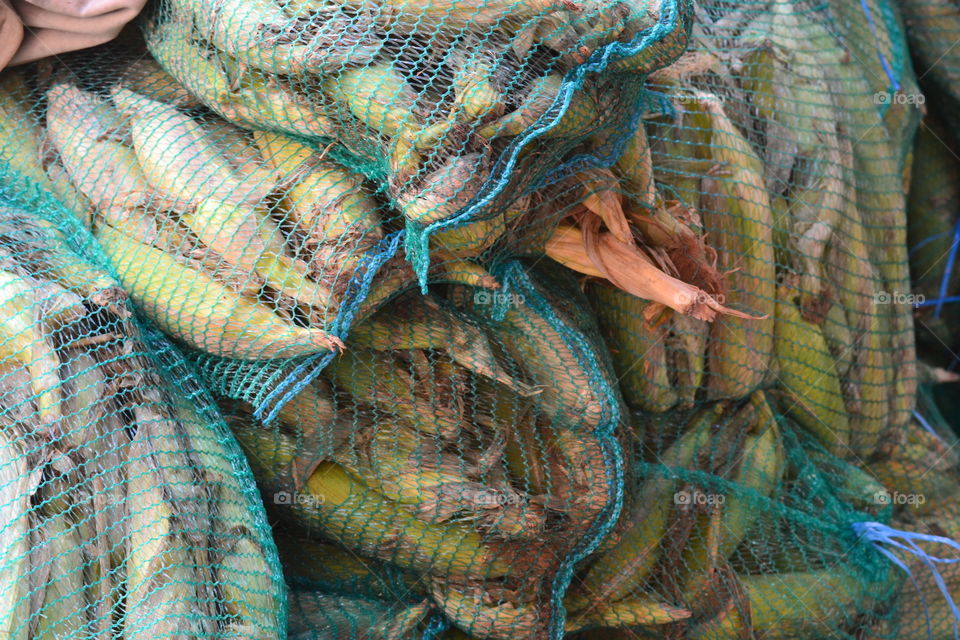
[320, 616]
[736, 524]
[461, 451]
[447, 106]
[126, 509]
[262, 237]
[753, 233]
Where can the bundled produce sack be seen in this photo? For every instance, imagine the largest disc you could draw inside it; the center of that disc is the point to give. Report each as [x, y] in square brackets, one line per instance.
[771, 188]
[127, 510]
[449, 106]
[737, 523]
[462, 447]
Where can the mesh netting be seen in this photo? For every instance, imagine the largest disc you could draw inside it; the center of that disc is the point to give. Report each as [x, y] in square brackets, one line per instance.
[443, 444]
[126, 510]
[702, 423]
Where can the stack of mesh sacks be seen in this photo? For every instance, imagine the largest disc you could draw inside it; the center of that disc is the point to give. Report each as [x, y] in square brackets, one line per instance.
[533, 319]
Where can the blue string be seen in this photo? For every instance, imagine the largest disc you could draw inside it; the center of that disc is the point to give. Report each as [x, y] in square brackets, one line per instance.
[438, 624]
[926, 425]
[356, 292]
[880, 534]
[883, 60]
[926, 241]
[948, 270]
[930, 303]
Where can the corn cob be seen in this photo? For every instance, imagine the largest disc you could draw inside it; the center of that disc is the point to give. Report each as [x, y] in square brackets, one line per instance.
[787, 605]
[23, 156]
[485, 616]
[328, 201]
[61, 608]
[104, 170]
[621, 569]
[17, 484]
[161, 596]
[808, 376]
[419, 323]
[626, 613]
[256, 33]
[327, 565]
[761, 466]
[876, 165]
[735, 207]
[146, 77]
[363, 519]
[379, 379]
[164, 137]
[638, 347]
[245, 329]
[320, 616]
[23, 343]
[446, 191]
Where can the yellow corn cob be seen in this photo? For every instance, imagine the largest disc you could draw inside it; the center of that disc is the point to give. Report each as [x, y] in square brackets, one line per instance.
[62, 600]
[485, 616]
[22, 343]
[808, 376]
[787, 605]
[621, 569]
[173, 43]
[145, 76]
[104, 170]
[161, 586]
[263, 101]
[20, 151]
[626, 613]
[324, 199]
[178, 158]
[249, 239]
[203, 312]
[378, 378]
[635, 168]
[738, 220]
[239, 29]
[638, 348]
[363, 519]
[445, 191]
[761, 466]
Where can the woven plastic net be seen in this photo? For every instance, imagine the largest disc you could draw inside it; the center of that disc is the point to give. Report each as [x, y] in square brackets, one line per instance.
[539, 319]
[126, 509]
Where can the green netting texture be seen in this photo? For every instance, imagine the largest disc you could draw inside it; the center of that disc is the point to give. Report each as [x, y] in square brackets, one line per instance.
[453, 454]
[127, 510]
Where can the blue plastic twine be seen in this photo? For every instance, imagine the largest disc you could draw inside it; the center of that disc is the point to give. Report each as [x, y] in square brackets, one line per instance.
[876, 39]
[926, 425]
[438, 624]
[357, 290]
[880, 534]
